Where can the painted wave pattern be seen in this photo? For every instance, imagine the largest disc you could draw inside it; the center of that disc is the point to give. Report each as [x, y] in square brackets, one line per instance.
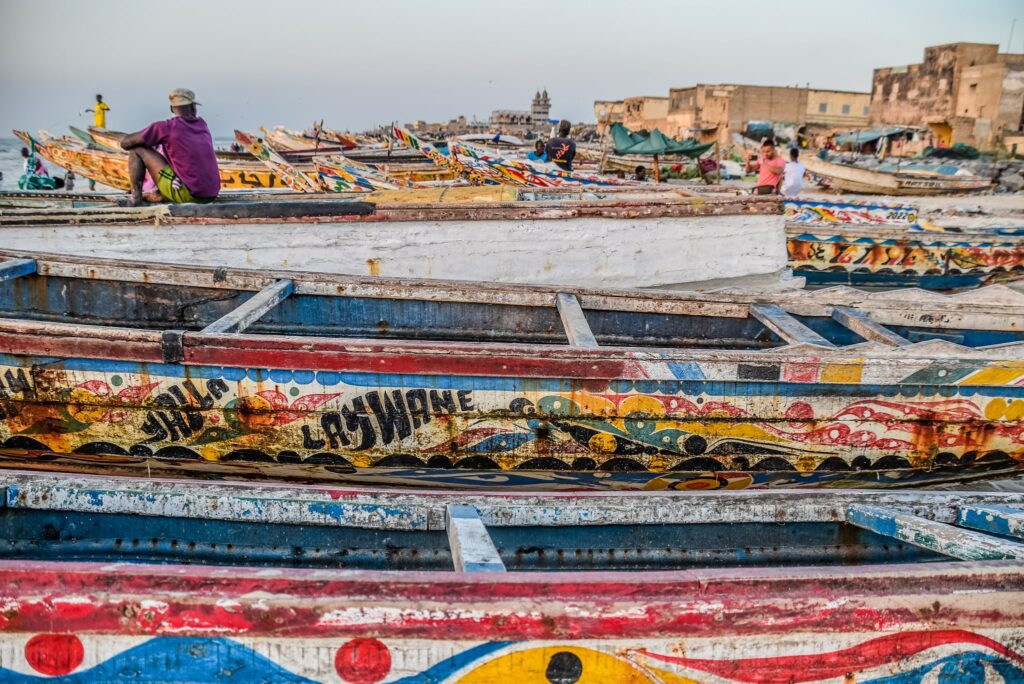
[361, 420]
[943, 656]
[860, 213]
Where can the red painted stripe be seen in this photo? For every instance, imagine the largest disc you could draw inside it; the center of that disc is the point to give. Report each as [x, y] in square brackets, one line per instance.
[135, 599]
[38, 343]
[426, 362]
[812, 667]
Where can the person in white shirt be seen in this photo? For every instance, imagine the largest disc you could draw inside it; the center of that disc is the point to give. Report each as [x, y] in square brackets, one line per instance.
[793, 175]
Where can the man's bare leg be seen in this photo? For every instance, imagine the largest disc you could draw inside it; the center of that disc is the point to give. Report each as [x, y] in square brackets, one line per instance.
[140, 160]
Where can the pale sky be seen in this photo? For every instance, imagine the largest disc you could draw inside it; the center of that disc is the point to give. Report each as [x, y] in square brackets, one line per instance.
[360, 64]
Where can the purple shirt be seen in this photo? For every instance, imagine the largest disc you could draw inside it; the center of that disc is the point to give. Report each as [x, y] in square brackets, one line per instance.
[188, 147]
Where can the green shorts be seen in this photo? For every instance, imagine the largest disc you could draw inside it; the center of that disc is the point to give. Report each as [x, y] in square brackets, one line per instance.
[174, 190]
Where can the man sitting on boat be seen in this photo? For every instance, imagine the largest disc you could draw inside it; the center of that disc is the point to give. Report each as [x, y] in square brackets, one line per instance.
[562, 150]
[189, 171]
[770, 167]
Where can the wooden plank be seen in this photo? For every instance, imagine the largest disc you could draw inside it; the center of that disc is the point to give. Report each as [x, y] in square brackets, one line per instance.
[253, 309]
[15, 268]
[472, 548]
[915, 307]
[934, 536]
[859, 322]
[785, 326]
[404, 509]
[1002, 520]
[574, 321]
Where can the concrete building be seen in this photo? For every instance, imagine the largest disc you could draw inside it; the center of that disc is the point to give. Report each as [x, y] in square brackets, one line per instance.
[520, 121]
[837, 108]
[645, 113]
[608, 112]
[714, 111]
[964, 92]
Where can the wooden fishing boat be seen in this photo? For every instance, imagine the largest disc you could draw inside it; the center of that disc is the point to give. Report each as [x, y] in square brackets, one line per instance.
[285, 141]
[127, 367]
[868, 244]
[228, 583]
[111, 167]
[511, 171]
[293, 177]
[331, 136]
[484, 166]
[618, 241]
[872, 182]
[341, 174]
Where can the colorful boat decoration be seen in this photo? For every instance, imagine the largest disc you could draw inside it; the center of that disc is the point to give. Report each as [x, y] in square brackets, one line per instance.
[102, 577]
[338, 173]
[886, 245]
[292, 177]
[524, 172]
[800, 210]
[468, 169]
[111, 167]
[873, 182]
[283, 141]
[448, 383]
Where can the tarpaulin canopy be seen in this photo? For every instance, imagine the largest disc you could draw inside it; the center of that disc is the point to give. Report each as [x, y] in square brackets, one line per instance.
[656, 143]
[868, 136]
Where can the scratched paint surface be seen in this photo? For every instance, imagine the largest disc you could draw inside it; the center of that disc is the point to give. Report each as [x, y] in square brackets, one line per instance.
[809, 418]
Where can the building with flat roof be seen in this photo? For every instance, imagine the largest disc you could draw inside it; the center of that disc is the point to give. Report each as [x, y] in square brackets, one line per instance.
[645, 113]
[964, 92]
[715, 111]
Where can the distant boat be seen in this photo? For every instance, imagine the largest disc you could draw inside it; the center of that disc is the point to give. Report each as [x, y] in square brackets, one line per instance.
[874, 182]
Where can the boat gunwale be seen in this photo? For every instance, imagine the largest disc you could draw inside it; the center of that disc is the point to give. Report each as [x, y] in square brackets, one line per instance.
[401, 508]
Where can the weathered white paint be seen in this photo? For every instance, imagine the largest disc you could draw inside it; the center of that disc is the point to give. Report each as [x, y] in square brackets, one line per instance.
[472, 548]
[399, 509]
[585, 252]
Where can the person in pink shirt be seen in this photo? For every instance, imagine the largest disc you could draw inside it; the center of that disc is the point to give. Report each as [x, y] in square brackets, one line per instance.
[186, 168]
[770, 168]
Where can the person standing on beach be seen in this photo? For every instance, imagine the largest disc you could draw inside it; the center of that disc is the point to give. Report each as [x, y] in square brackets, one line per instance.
[769, 166]
[793, 176]
[99, 113]
[562, 150]
[188, 172]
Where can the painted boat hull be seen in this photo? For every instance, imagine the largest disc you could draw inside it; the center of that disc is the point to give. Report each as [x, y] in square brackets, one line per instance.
[321, 584]
[319, 389]
[111, 168]
[833, 243]
[604, 243]
[865, 181]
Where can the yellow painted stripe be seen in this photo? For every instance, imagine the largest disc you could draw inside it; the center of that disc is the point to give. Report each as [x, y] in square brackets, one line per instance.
[994, 376]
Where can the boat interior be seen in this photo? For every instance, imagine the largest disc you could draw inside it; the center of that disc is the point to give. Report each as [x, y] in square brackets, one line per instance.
[122, 297]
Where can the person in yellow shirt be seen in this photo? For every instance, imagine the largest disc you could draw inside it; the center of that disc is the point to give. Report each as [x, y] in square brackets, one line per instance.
[99, 113]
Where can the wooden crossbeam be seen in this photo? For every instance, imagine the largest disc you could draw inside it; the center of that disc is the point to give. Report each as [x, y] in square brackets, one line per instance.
[859, 322]
[574, 321]
[934, 536]
[1002, 520]
[785, 326]
[15, 268]
[253, 309]
[471, 545]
